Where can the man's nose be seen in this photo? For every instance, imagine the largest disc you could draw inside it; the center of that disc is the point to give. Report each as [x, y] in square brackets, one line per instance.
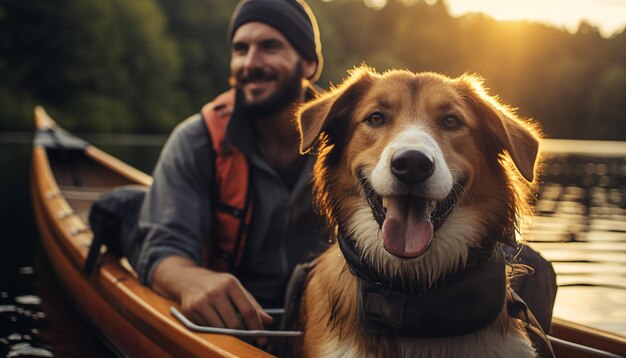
[253, 58]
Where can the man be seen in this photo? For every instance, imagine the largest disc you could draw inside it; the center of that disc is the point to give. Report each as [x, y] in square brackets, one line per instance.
[275, 54]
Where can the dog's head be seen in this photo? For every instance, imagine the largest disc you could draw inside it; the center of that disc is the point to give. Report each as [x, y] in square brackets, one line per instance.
[418, 168]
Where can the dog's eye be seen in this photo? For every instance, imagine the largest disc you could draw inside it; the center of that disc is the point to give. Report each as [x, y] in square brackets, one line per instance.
[376, 119]
[451, 122]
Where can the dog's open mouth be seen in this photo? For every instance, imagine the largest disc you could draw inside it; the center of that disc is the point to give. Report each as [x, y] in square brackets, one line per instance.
[408, 222]
[407, 228]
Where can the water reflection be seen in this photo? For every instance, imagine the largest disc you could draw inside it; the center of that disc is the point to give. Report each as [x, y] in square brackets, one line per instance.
[600, 307]
[581, 227]
[38, 320]
[23, 319]
[24, 349]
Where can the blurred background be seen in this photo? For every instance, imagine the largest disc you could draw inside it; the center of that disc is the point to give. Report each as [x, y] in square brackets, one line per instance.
[142, 66]
[122, 74]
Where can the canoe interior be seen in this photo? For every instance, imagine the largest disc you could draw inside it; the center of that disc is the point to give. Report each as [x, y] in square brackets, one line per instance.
[74, 168]
[81, 179]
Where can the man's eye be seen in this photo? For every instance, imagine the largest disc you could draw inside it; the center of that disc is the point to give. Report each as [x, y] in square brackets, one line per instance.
[239, 48]
[451, 122]
[376, 119]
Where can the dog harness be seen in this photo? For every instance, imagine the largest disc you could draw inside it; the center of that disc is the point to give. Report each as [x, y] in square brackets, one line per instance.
[404, 309]
[230, 189]
[397, 308]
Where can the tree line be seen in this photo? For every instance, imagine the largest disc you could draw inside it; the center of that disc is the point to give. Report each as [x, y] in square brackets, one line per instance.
[142, 66]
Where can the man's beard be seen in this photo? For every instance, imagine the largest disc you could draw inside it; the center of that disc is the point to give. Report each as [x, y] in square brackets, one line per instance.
[285, 94]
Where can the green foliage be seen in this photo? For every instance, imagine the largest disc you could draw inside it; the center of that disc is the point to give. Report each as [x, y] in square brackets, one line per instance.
[99, 65]
[199, 27]
[606, 105]
[118, 65]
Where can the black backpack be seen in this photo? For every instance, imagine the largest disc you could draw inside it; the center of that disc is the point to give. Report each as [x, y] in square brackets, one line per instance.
[114, 221]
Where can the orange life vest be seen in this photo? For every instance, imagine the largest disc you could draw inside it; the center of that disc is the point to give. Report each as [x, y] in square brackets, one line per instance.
[231, 194]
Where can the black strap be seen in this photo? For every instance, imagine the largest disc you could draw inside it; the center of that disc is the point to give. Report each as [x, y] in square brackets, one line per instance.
[93, 254]
[243, 229]
[517, 308]
[477, 259]
[291, 320]
[105, 227]
[213, 194]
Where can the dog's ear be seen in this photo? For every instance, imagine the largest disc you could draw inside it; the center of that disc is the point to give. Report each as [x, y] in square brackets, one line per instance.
[316, 116]
[519, 139]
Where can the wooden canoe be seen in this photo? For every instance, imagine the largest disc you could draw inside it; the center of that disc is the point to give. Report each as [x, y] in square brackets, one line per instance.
[68, 174]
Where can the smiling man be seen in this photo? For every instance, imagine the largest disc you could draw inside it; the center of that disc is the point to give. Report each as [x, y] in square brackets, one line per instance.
[230, 212]
[266, 69]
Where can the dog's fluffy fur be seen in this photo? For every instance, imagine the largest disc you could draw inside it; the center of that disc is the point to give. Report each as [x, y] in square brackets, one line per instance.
[479, 148]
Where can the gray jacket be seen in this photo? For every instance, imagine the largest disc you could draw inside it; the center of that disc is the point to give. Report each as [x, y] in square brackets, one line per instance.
[176, 215]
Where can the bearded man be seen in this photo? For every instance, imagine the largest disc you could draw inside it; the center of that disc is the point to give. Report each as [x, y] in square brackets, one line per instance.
[220, 258]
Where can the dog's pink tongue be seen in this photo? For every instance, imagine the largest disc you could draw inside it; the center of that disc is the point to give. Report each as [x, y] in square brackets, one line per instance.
[407, 229]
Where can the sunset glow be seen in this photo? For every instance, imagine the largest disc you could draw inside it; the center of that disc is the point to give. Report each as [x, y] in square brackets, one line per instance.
[608, 15]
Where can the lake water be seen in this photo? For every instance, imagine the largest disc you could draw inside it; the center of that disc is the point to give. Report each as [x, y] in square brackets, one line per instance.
[581, 226]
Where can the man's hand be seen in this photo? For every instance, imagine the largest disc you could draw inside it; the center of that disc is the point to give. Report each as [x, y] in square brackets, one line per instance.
[207, 297]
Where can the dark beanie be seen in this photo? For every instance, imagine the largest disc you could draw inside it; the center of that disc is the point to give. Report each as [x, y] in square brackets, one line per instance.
[293, 18]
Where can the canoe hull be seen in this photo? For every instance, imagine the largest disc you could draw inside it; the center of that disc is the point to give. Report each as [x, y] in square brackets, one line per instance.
[122, 335]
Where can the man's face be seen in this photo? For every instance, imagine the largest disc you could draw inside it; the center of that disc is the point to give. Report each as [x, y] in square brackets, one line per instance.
[266, 69]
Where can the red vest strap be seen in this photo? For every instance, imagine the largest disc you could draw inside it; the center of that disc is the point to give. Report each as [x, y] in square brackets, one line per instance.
[232, 204]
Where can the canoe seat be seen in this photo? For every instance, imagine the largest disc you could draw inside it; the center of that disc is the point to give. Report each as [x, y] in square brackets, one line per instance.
[83, 192]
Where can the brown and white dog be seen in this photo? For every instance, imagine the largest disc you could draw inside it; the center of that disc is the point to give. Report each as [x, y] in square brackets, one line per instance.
[421, 177]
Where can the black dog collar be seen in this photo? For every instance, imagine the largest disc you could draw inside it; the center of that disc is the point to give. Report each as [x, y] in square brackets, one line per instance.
[462, 302]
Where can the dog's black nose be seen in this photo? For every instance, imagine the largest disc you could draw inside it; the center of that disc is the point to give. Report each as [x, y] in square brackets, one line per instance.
[412, 166]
